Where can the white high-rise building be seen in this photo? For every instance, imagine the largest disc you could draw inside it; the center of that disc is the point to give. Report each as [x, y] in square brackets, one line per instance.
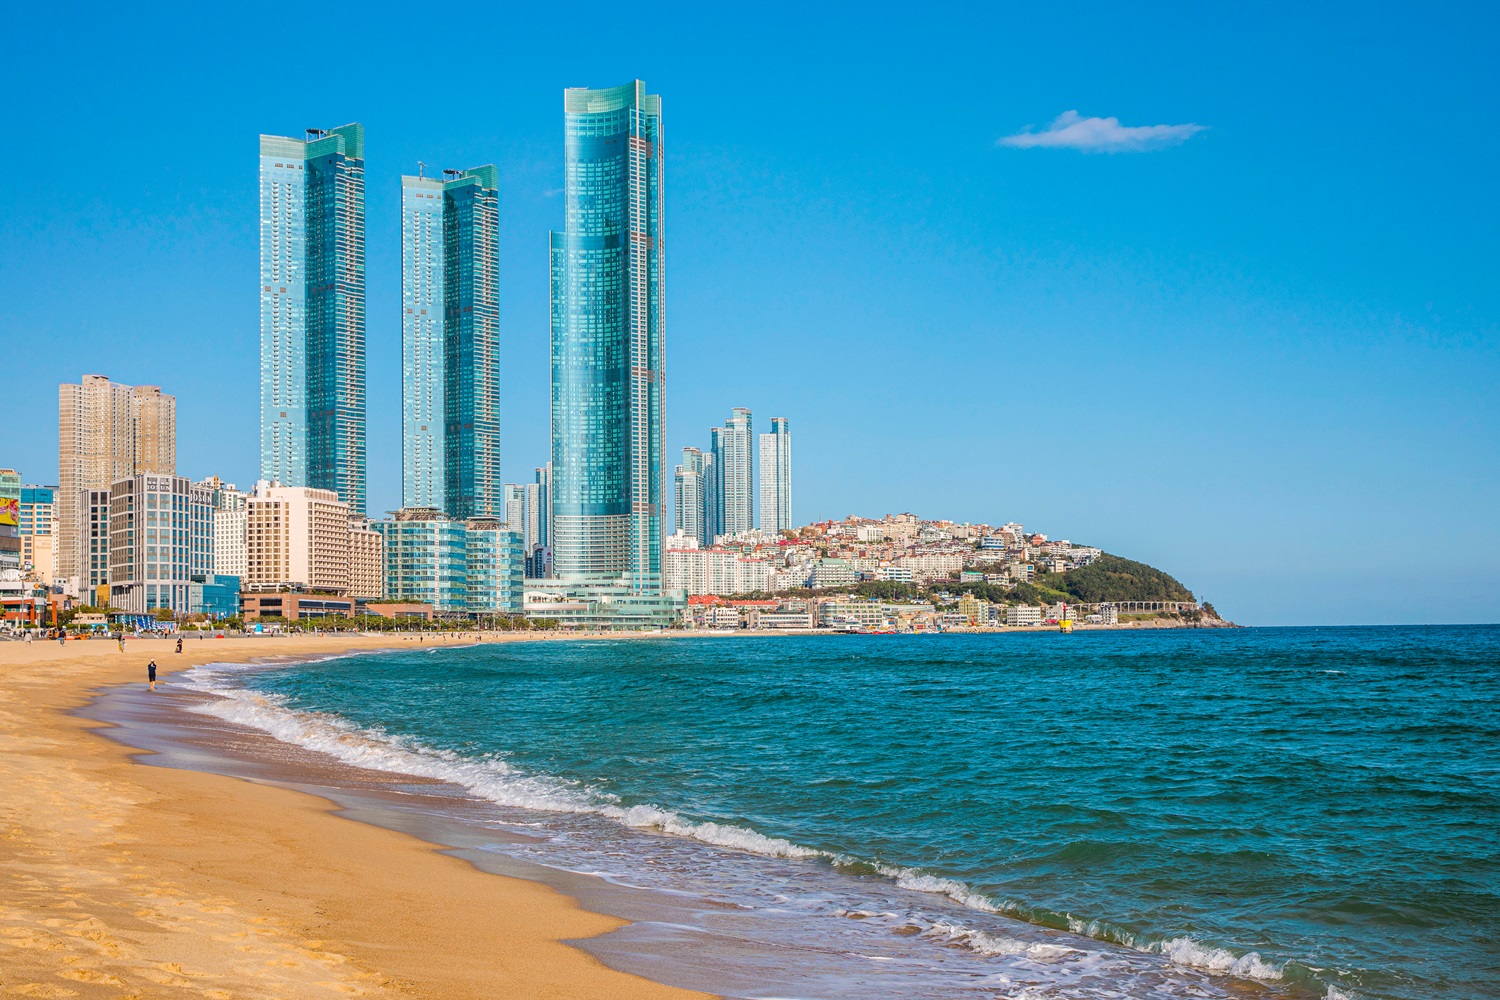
[229, 527]
[691, 497]
[776, 478]
[734, 468]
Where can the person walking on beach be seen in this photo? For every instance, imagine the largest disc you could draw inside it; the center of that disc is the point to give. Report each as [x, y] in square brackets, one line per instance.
[179, 644]
[120, 638]
[62, 637]
[151, 674]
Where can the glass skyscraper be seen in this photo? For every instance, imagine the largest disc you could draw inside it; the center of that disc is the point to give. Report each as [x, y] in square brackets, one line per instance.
[776, 477]
[450, 343]
[312, 311]
[608, 454]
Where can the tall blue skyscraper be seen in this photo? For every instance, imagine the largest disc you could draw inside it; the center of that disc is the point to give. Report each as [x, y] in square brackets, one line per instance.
[312, 311]
[450, 343]
[608, 454]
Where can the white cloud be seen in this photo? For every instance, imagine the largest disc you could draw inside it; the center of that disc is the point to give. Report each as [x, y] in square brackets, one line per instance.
[1070, 130]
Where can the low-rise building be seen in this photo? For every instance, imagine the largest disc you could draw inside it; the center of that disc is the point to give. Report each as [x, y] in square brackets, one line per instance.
[833, 573]
[785, 614]
[858, 614]
[293, 607]
[216, 595]
[1023, 614]
[594, 607]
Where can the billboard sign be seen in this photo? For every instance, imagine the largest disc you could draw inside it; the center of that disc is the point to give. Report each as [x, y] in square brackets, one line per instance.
[10, 511]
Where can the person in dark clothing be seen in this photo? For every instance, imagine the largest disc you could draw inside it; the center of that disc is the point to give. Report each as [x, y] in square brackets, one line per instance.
[151, 674]
[179, 644]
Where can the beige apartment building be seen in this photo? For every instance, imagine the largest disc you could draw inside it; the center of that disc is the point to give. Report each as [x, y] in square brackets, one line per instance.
[106, 432]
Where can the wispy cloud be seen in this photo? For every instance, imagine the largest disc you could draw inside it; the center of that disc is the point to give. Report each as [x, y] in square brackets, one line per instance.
[1070, 130]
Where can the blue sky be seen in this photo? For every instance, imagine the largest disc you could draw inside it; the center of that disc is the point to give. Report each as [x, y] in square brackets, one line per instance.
[1262, 353]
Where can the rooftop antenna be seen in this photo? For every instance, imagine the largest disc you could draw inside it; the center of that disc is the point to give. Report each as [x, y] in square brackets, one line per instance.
[420, 167]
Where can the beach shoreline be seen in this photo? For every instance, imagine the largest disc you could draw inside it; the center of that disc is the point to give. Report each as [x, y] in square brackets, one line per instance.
[146, 881]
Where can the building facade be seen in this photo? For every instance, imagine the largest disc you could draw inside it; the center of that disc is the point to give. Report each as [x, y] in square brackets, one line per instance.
[608, 452]
[734, 461]
[107, 431]
[496, 568]
[689, 498]
[366, 561]
[10, 520]
[296, 538]
[229, 526]
[450, 343]
[776, 478]
[161, 537]
[94, 512]
[713, 492]
[426, 558]
[37, 515]
[312, 311]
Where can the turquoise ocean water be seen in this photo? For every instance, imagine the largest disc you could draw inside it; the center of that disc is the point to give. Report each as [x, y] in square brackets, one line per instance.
[1271, 812]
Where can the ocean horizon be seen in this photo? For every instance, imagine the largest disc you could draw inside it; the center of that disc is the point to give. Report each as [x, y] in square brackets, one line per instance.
[1290, 812]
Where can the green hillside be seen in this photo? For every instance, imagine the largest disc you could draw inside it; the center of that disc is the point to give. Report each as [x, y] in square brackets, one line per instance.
[1110, 578]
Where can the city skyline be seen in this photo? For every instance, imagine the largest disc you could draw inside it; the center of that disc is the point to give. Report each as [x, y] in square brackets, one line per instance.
[1223, 383]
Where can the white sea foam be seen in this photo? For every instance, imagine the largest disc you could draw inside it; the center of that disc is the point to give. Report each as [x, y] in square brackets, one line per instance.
[920, 881]
[1187, 952]
[1334, 993]
[996, 946]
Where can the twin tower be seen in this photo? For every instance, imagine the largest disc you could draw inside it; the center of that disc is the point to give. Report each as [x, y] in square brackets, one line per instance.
[608, 454]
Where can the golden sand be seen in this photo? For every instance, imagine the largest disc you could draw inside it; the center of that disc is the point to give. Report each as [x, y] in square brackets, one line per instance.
[120, 880]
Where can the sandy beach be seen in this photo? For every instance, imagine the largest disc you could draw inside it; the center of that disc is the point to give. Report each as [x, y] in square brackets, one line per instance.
[121, 880]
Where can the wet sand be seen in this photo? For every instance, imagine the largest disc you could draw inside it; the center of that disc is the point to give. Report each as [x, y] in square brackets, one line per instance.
[120, 880]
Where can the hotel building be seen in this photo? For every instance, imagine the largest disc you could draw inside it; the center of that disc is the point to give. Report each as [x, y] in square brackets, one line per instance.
[312, 312]
[472, 567]
[296, 538]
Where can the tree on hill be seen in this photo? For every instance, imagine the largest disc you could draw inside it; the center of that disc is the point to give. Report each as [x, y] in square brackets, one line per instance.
[1110, 578]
